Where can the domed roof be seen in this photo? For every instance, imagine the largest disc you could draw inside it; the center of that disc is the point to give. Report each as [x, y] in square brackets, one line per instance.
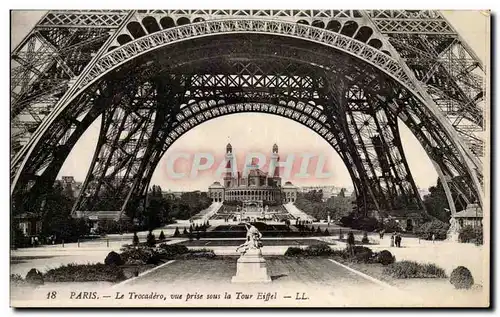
[216, 185]
[289, 185]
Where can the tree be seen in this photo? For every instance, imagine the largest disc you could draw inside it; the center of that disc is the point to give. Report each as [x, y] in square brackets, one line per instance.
[435, 202]
[162, 234]
[57, 219]
[391, 226]
[437, 228]
[176, 233]
[350, 239]
[471, 234]
[156, 213]
[150, 239]
[135, 239]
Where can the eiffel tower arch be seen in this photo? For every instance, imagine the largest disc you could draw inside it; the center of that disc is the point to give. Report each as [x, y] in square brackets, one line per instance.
[152, 75]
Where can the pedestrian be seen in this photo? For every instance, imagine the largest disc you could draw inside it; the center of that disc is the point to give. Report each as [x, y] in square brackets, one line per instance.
[433, 237]
[398, 240]
[350, 243]
[392, 240]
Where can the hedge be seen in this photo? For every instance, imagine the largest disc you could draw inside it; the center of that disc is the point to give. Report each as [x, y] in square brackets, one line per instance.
[320, 249]
[411, 269]
[471, 234]
[436, 227]
[385, 257]
[85, 273]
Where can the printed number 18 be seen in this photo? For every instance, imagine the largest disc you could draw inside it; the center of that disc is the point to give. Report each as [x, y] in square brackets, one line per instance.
[51, 295]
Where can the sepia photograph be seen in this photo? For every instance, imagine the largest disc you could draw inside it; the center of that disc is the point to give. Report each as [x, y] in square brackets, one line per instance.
[250, 158]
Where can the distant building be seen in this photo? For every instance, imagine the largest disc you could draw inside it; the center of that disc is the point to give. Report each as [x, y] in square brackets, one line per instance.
[216, 192]
[29, 223]
[408, 220]
[470, 216]
[256, 185]
[172, 194]
[289, 193]
[327, 191]
[95, 217]
[70, 185]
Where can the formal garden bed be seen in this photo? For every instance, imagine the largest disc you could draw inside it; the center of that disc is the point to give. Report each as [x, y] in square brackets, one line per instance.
[116, 267]
[238, 241]
[383, 265]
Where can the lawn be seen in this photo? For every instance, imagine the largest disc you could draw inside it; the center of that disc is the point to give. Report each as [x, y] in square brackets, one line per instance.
[307, 271]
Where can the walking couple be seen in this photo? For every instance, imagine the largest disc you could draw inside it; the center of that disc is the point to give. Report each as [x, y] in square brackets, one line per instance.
[396, 240]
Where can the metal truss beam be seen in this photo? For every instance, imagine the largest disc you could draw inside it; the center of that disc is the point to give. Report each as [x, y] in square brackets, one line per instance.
[391, 64]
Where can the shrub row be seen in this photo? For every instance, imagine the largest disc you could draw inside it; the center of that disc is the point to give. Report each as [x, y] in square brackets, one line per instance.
[278, 234]
[145, 255]
[437, 228]
[357, 253]
[411, 269]
[320, 249]
[469, 234]
[85, 273]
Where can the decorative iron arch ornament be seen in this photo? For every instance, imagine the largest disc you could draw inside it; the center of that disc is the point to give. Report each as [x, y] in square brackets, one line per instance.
[91, 96]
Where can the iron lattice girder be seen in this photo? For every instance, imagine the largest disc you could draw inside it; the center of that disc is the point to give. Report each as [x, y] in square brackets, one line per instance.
[340, 41]
[242, 13]
[363, 73]
[246, 86]
[84, 18]
[43, 66]
[145, 44]
[125, 129]
[344, 41]
[436, 144]
[412, 18]
[447, 68]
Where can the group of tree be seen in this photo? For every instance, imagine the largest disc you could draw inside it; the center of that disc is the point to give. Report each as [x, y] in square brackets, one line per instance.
[359, 222]
[57, 223]
[312, 204]
[161, 210]
[436, 202]
[196, 228]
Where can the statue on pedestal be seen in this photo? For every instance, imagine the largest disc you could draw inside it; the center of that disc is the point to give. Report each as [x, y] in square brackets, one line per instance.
[253, 239]
[251, 266]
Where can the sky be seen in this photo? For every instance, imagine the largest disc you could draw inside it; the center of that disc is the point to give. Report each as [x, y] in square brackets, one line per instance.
[258, 132]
